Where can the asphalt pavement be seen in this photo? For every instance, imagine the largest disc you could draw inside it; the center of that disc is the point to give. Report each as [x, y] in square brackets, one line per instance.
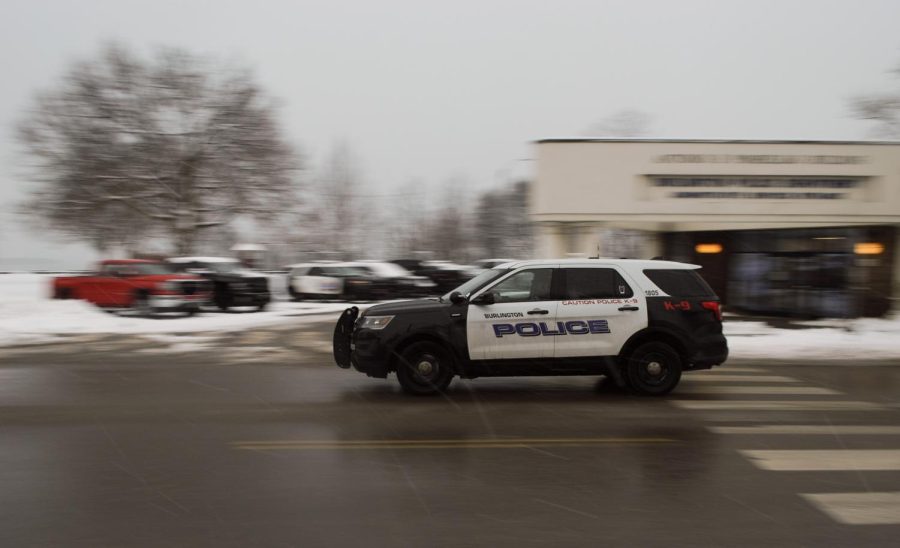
[257, 439]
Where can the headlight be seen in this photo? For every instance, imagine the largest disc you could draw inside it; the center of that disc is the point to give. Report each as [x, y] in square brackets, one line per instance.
[167, 286]
[375, 322]
[358, 282]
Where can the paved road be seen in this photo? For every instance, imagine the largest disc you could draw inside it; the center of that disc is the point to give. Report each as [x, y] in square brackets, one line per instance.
[257, 440]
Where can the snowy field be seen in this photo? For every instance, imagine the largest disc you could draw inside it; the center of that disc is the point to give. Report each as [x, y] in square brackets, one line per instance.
[29, 316]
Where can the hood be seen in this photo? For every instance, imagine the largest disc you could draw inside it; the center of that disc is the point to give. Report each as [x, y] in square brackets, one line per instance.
[400, 307]
[166, 277]
[240, 275]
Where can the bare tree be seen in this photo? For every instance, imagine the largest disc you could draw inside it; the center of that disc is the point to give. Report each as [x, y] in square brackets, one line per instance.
[626, 123]
[124, 146]
[406, 220]
[883, 109]
[342, 213]
[503, 225]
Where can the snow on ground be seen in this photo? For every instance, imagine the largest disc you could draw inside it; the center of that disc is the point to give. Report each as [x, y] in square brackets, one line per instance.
[859, 339]
[29, 316]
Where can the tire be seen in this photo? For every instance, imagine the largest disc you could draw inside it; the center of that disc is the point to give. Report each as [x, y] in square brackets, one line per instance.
[262, 306]
[653, 369]
[424, 369]
[142, 305]
[294, 295]
[223, 298]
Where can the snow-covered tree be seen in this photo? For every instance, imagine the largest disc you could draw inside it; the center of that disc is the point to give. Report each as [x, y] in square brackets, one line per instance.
[123, 147]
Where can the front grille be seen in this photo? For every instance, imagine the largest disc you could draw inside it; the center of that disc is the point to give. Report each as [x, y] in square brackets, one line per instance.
[189, 288]
[192, 287]
[259, 284]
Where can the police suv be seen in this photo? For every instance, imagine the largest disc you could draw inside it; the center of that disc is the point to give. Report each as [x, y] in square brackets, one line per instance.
[640, 322]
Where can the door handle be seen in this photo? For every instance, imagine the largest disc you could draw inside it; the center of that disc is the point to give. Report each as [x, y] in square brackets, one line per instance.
[538, 311]
[628, 308]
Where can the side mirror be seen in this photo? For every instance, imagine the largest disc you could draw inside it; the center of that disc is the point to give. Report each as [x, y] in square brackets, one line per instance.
[457, 298]
[485, 298]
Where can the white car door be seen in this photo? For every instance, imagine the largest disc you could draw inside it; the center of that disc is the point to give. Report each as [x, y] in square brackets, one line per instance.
[318, 281]
[519, 323]
[601, 310]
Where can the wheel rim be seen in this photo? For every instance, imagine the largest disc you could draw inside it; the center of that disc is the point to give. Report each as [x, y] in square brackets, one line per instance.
[654, 370]
[426, 369]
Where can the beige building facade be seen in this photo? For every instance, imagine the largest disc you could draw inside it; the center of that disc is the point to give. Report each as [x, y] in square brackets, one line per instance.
[783, 221]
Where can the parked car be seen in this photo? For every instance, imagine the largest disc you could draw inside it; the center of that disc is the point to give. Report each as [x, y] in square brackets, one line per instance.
[146, 286]
[398, 281]
[232, 284]
[331, 280]
[444, 274]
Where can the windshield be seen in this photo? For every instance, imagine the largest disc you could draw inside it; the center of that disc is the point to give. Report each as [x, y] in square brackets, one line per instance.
[345, 271]
[137, 269]
[223, 267]
[478, 281]
[388, 270]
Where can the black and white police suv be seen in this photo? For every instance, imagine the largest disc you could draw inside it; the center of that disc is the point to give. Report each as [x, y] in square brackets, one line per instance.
[640, 322]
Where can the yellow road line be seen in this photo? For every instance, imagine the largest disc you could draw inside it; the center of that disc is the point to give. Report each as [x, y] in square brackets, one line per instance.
[518, 443]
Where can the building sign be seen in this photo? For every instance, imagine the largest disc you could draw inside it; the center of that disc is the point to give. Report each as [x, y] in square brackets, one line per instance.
[758, 159]
[778, 188]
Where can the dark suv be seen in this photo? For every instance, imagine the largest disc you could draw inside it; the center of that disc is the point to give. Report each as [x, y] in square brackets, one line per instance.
[233, 285]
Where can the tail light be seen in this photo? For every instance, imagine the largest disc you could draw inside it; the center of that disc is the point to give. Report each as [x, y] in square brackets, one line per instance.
[714, 307]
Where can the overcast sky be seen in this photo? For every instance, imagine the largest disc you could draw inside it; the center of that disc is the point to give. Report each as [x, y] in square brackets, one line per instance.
[432, 90]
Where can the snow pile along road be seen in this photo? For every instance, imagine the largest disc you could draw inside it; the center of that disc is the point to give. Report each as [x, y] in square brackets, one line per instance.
[859, 339]
[28, 315]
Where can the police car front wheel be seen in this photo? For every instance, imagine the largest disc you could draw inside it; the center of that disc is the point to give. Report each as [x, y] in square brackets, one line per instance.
[424, 368]
[653, 369]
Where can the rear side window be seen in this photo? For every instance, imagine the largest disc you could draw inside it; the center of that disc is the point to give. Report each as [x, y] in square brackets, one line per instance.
[595, 283]
[680, 283]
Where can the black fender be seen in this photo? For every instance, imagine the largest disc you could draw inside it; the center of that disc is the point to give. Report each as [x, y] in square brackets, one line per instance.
[398, 345]
[669, 334]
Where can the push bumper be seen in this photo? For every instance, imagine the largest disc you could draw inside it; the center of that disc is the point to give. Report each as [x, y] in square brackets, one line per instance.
[177, 303]
[254, 299]
[358, 349]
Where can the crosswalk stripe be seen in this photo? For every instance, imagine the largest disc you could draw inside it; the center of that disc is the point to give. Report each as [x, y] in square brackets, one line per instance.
[814, 429]
[859, 508]
[775, 405]
[738, 378]
[761, 390]
[807, 460]
[728, 369]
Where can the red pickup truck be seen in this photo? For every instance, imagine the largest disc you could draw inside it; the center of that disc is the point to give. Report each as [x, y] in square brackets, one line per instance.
[146, 286]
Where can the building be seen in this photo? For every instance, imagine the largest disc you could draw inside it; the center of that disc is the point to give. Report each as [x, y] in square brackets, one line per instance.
[806, 228]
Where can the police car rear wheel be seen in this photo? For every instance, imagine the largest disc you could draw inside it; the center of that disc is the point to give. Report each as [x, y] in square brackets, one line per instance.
[424, 369]
[653, 369]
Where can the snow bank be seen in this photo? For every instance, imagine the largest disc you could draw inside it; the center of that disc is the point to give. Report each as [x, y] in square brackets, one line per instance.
[28, 315]
[862, 339]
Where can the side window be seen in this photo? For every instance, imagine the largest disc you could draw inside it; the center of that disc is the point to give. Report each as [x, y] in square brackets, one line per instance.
[524, 286]
[315, 271]
[596, 283]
